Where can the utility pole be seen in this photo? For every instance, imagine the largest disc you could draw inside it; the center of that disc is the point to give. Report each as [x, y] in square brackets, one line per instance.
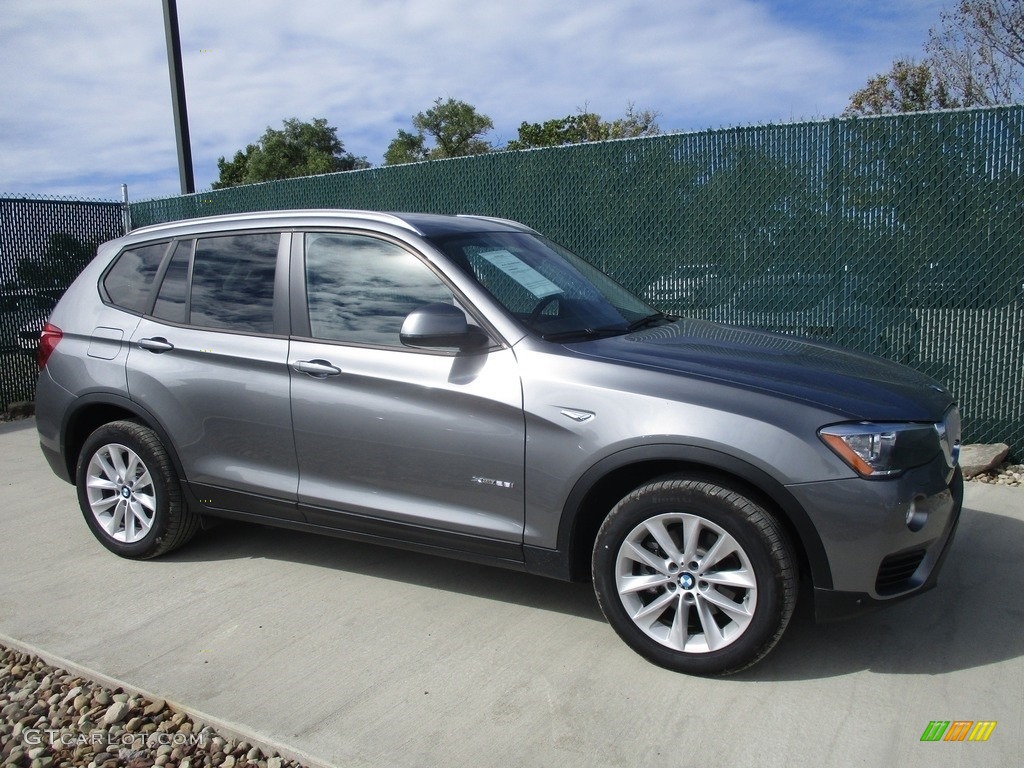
[188, 184]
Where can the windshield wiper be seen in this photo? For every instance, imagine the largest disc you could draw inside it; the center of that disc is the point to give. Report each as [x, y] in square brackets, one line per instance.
[583, 334]
[647, 322]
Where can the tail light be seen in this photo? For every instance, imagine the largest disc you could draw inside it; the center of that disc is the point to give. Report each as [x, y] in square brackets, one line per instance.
[48, 341]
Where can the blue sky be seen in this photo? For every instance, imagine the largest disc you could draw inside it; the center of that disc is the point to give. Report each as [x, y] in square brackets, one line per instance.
[86, 103]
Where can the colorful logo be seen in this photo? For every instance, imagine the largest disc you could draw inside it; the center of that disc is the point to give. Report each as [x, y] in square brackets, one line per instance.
[958, 730]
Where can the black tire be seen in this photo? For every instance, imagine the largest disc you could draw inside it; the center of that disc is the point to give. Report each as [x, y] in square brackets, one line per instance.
[641, 569]
[130, 494]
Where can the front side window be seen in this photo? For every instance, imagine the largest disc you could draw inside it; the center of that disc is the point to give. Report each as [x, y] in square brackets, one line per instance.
[233, 282]
[359, 289]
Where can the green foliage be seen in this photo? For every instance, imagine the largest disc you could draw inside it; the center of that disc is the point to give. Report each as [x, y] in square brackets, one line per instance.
[299, 149]
[573, 129]
[455, 128]
[907, 87]
[406, 148]
[585, 126]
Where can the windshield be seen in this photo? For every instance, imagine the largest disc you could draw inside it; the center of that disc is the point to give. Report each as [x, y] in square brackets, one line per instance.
[547, 288]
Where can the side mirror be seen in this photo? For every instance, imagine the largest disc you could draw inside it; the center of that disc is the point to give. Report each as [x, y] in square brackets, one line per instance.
[440, 325]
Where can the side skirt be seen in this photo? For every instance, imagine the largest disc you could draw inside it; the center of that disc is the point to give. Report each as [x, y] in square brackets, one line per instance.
[232, 505]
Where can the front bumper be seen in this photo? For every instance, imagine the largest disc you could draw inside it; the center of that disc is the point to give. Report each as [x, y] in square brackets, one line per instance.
[876, 555]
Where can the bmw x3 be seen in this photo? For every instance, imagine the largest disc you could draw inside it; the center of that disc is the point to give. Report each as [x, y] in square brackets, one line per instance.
[461, 385]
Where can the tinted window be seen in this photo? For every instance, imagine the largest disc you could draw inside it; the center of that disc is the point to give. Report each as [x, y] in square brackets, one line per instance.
[360, 290]
[233, 283]
[172, 299]
[130, 279]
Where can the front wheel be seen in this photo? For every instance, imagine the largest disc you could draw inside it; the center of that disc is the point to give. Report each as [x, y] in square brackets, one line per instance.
[130, 494]
[694, 577]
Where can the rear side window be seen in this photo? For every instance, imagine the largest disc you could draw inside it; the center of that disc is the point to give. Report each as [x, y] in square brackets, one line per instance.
[233, 283]
[130, 279]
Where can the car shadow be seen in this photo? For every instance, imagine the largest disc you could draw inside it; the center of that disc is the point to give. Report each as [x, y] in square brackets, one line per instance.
[230, 539]
[972, 618]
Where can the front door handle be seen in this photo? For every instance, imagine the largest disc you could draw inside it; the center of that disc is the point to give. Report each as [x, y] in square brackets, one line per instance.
[156, 344]
[318, 369]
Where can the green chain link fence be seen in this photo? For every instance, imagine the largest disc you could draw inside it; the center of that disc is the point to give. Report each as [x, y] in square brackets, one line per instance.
[900, 235]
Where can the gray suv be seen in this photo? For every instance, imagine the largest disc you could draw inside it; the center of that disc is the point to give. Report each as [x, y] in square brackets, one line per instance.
[463, 386]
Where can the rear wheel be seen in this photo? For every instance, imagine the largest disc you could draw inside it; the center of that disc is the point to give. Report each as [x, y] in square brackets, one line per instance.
[695, 577]
[130, 494]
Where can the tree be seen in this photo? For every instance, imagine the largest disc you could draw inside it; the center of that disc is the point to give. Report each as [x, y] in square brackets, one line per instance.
[979, 50]
[907, 87]
[974, 58]
[299, 149]
[454, 126]
[634, 124]
[585, 126]
[406, 148]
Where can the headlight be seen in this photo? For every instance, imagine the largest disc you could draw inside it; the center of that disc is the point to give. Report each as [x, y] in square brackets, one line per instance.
[883, 450]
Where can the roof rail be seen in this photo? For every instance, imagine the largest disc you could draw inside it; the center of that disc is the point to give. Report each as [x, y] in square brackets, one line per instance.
[384, 218]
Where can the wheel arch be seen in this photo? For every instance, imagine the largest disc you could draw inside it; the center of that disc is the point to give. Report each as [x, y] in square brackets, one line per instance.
[611, 479]
[93, 411]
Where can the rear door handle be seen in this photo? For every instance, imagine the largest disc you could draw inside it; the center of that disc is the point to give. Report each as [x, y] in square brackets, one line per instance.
[156, 344]
[318, 369]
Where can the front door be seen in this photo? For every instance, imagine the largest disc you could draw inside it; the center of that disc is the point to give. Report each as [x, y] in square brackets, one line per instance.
[424, 446]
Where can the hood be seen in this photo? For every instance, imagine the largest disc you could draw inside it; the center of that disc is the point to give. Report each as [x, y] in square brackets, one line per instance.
[854, 385]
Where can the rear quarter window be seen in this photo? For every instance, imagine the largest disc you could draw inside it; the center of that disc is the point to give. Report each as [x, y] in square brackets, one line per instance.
[129, 280]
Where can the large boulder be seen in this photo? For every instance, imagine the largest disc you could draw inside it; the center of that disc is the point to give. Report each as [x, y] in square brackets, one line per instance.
[978, 458]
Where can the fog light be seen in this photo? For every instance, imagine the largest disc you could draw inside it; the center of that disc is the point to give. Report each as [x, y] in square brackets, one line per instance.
[916, 518]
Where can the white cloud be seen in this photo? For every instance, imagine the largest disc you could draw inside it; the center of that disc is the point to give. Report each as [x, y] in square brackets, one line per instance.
[87, 99]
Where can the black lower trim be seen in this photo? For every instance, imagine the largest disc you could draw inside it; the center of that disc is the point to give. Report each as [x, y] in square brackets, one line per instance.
[552, 563]
[376, 529]
[833, 605]
[414, 546]
[211, 500]
[236, 505]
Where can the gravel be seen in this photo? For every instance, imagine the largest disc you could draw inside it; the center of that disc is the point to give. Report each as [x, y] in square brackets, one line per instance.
[1011, 475]
[50, 718]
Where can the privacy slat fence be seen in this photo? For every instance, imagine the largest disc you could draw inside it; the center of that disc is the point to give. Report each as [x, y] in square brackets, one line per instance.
[901, 235]
[44, 243]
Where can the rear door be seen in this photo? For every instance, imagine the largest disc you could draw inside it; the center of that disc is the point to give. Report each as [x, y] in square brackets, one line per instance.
[210, 362]
[420, 445]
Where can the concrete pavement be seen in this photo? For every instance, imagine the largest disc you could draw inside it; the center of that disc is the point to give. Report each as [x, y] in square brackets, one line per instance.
[355, 655]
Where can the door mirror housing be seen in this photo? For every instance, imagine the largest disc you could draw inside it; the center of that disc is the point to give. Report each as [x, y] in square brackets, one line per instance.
[440, 325]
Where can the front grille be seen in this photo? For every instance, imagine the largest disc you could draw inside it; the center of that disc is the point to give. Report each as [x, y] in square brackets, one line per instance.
[896, 570]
